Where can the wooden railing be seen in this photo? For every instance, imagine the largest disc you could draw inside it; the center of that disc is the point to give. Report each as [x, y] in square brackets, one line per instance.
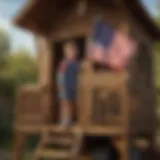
[29, 108]
[102, 98]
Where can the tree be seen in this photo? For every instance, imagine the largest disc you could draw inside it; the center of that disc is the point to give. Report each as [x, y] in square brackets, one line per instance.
[158, 23]
[157, 52]
[5, 45]
[21, 67]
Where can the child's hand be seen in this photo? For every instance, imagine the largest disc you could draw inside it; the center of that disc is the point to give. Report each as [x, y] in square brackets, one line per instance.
[60, 87]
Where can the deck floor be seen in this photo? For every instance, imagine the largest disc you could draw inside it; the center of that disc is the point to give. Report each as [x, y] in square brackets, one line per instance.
[87, 130]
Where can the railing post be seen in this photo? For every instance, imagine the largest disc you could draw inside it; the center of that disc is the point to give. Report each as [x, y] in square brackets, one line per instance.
[85, 94]
[20, 139]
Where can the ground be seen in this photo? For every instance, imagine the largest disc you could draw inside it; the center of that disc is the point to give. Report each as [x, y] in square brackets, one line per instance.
[7, 155]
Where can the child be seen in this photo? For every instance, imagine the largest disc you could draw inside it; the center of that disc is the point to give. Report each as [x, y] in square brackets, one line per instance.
[67, 82]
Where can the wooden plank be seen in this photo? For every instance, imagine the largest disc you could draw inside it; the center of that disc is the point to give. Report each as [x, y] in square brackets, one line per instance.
[28, 129]
[89, 130]
[104, 131]
[61, 141]
[32, 117]
[45, 59]
[122, 145]
[109, 80]
[24, 11]
[60, 154]
[45, 66]
[74, 26]
[20, 139]
[67, 34]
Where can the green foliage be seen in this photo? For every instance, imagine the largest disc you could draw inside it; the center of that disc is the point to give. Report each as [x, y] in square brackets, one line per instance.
[6, 128]
[7, 87]
[5, 45]
[21, 67]
[157, 58]
[4, 42]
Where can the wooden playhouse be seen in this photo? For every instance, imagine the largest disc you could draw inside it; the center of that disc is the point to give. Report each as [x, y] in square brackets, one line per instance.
[120, 107]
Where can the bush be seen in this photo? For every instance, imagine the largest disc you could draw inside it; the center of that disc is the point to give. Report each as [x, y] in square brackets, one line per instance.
[7, 96]
[7, 87]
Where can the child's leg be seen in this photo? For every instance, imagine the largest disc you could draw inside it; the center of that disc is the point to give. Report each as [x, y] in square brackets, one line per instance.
[67, 106]
[66, 112]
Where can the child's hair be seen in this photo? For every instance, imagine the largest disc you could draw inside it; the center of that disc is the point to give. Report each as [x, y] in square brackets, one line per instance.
[70, 43]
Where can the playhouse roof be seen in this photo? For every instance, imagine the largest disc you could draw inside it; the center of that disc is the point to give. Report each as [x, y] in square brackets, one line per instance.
[37, 16]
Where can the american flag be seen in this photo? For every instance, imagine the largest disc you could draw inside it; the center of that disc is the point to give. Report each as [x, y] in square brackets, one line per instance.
[110, 46]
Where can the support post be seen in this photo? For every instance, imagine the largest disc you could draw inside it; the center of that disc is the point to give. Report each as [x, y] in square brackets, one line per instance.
[122, 145]
[20, 139]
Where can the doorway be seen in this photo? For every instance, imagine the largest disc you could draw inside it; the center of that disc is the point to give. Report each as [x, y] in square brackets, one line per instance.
[57, 57]
[80, 41]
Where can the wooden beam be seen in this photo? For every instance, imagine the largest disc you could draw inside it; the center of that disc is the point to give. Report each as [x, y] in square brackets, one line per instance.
[20, 139]
[24, 11]
[111, 80]
[46, 61]
[117, 2]
[88, 130]
[122, 145]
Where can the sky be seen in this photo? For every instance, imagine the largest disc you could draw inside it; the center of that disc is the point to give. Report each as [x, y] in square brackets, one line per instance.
[22, 38]
[19, 38]
[151, 6]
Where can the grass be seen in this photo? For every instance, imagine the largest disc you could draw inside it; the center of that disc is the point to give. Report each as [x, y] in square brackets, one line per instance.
[28, 156]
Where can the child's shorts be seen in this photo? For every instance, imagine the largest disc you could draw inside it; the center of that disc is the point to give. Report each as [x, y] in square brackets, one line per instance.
[68, 94]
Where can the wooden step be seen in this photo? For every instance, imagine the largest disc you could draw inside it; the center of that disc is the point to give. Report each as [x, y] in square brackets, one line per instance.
[51, 153]
[68, 144]
[59, 135]
[60, 141]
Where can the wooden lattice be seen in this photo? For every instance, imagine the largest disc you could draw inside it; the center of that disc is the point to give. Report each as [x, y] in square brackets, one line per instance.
[106, 106]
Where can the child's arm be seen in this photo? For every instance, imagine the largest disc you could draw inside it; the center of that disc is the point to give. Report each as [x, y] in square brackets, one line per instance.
[61, 76]
[61, 81]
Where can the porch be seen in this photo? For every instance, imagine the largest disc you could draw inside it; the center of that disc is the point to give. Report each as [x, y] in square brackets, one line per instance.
[101, 106]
